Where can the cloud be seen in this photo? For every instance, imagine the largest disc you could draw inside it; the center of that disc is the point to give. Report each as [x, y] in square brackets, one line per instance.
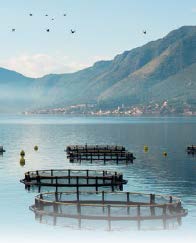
[38, 65]
[100, 58]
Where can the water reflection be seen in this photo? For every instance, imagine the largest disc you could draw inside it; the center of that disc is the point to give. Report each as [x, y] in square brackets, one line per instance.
[106, 223]
[109, 210]
[41, 189]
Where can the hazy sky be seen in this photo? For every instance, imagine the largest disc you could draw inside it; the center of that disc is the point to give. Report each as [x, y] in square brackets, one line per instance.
[104, 28]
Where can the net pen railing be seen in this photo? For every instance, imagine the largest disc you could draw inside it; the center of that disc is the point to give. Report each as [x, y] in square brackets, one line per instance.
[71, 178]
[72, 172]
[86, 147]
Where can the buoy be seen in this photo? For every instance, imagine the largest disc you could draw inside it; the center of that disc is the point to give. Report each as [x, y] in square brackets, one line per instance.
[36, 148]
[145, 148]
[22, 153]
[22, 161]
[165, 154]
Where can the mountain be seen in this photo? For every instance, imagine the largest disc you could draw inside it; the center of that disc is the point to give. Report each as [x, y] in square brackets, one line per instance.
[158, 63]
[15, 91]
[161, 70]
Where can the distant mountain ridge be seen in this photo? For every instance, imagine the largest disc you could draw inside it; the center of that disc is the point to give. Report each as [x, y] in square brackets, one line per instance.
[161, 70]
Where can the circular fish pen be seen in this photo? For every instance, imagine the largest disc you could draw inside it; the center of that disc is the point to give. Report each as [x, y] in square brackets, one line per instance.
[107, 206]
[104, 153]
[89, 179]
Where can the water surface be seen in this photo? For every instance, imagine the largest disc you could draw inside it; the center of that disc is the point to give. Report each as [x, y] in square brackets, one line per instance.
[150, 173]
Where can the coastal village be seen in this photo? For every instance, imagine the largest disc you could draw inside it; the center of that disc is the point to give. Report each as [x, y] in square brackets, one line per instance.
[164, 108]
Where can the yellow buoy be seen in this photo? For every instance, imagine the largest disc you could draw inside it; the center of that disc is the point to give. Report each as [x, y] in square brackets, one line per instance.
[145, 148]
[36, 148]
[22, 161]
[165, 154]
[22, 153]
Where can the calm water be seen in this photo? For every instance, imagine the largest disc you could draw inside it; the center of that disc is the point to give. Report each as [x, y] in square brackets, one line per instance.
[151, 172]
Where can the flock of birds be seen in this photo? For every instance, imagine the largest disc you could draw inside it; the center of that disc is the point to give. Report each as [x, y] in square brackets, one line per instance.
[71, 31]
[48, 30]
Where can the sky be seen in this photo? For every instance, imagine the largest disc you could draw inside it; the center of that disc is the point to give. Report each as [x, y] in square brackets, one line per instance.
[104, 28]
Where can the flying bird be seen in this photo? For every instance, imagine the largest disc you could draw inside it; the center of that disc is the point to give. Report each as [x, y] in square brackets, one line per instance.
[72, 31]
[64, 15]
[46, 15]
[13, 30]
[48, 30]
[144, 32]
[52, 19]
[31, 14]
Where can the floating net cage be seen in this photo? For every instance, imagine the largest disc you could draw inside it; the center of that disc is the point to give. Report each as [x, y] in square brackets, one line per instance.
[122, 210]
[71, 179]
[191, 149]
[78, 153]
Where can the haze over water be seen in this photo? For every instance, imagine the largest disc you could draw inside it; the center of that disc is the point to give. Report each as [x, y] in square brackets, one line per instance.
[150, 173]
